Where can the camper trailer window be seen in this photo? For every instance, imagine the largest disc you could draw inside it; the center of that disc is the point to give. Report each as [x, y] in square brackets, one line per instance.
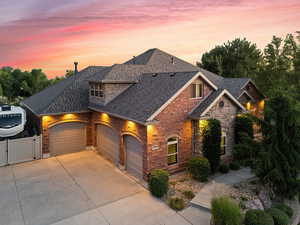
[10, 120]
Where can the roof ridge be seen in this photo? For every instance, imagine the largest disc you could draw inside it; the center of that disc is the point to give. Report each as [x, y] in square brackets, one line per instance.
[75, 77]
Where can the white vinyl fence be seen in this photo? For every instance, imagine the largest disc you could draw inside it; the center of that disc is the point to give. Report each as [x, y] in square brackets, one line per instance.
[20, 150]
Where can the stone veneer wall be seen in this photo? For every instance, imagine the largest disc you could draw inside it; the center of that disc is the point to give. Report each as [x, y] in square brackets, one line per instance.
[226, 115]
[173, 121]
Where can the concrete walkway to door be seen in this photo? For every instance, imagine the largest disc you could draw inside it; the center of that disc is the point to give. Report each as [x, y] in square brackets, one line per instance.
[76, 189]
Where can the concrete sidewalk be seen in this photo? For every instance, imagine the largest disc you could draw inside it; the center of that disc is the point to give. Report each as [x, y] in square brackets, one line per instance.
[219, 185]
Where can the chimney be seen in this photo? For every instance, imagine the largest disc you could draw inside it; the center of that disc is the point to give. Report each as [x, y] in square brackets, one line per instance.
[133, 59]
[76, 67]
[172, 60]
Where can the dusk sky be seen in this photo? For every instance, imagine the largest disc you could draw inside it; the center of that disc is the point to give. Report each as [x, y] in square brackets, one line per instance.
[52, 34]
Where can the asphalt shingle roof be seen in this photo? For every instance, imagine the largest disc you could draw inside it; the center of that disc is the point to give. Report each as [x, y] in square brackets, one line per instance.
[69, 95]
[142, 99]
[146, 94]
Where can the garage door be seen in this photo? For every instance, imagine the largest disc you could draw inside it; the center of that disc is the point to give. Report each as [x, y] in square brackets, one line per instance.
[108, 143]
[67, 138]
[134, 156]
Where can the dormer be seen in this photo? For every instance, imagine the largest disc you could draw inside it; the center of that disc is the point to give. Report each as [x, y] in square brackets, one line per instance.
[103, 92]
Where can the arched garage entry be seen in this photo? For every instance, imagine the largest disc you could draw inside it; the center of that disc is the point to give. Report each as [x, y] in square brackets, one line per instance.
[134, 156]
[108, 142]
[67, 138]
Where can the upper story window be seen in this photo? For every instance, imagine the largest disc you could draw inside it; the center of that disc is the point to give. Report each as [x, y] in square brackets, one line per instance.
[172, 150]
[97, 90]
[198, 89]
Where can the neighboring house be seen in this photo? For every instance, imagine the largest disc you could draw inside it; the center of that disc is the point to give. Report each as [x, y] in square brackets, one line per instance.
[143, 114]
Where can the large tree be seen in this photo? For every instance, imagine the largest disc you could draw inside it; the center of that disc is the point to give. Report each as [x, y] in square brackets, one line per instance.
[278, 163]
[237, 58]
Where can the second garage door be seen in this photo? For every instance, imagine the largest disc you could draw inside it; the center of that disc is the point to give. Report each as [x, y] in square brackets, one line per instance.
[134, 156]
[108, 143]
[67, 138]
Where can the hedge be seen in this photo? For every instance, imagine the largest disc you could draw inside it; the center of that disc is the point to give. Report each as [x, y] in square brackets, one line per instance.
[258, 217]
[199, 168]
[279, 217]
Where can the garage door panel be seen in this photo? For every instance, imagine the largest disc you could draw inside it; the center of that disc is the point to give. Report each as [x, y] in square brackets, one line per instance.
[67, 138]
[108, 143]
[134, 157]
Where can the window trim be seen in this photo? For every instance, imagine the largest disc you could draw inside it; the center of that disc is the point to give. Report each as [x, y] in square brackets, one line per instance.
[223, 146]
[200, 85]
[97, 90]
[177, 150]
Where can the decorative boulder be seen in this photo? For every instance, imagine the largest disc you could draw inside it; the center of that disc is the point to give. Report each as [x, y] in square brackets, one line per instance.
[264, 197]
[254, 204]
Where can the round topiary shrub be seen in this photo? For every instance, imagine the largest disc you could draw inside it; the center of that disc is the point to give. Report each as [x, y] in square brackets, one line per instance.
[224, 168]
[258, 217]
[176, 203]
[159, 182]
[279, 217]
[225, 211]
[285, 208]
[234, 166]
[199, 168]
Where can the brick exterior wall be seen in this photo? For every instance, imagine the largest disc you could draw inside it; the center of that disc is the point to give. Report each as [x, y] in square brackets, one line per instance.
[50, 121]
[173, 122]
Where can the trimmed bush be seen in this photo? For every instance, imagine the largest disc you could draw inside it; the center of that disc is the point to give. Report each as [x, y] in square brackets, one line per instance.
[159, 182]
[188, 194]
[176, 203]
[285, 208]
[279, 217]
[199, 168]
[258, 217]
[225, 211]
[212, 143]
[234, 166]
[224, 168]
[243, 126]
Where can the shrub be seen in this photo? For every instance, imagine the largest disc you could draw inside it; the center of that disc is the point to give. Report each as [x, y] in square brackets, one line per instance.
[285, 208]
[234, 166]
[225, 211]
[279, 217]
[159, 182]
[258, 217]
[211, 143]
[243, 126]
[224, 168]
[189, 194]
[176, 203]
[199, 168]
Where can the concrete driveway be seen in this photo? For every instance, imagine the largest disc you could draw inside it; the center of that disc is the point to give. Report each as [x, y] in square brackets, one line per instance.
[77, 189]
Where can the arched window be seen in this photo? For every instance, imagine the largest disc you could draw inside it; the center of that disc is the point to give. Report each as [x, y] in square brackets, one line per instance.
[223, 143]
[172, 150]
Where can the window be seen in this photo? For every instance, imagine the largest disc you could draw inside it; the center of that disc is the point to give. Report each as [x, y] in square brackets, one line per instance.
[97, 90]
[172, 151]
[223, 143]
[197, 89]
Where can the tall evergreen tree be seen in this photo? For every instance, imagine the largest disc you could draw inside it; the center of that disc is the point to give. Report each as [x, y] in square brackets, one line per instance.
[278, 164]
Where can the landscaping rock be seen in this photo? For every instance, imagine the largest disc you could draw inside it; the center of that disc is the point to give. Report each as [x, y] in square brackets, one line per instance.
[265, 198]
[254, 204]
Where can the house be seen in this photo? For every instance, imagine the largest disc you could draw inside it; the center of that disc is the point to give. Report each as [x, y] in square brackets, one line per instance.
[143, 114]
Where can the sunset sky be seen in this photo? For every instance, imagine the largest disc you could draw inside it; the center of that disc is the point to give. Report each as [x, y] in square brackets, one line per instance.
[52, 34]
